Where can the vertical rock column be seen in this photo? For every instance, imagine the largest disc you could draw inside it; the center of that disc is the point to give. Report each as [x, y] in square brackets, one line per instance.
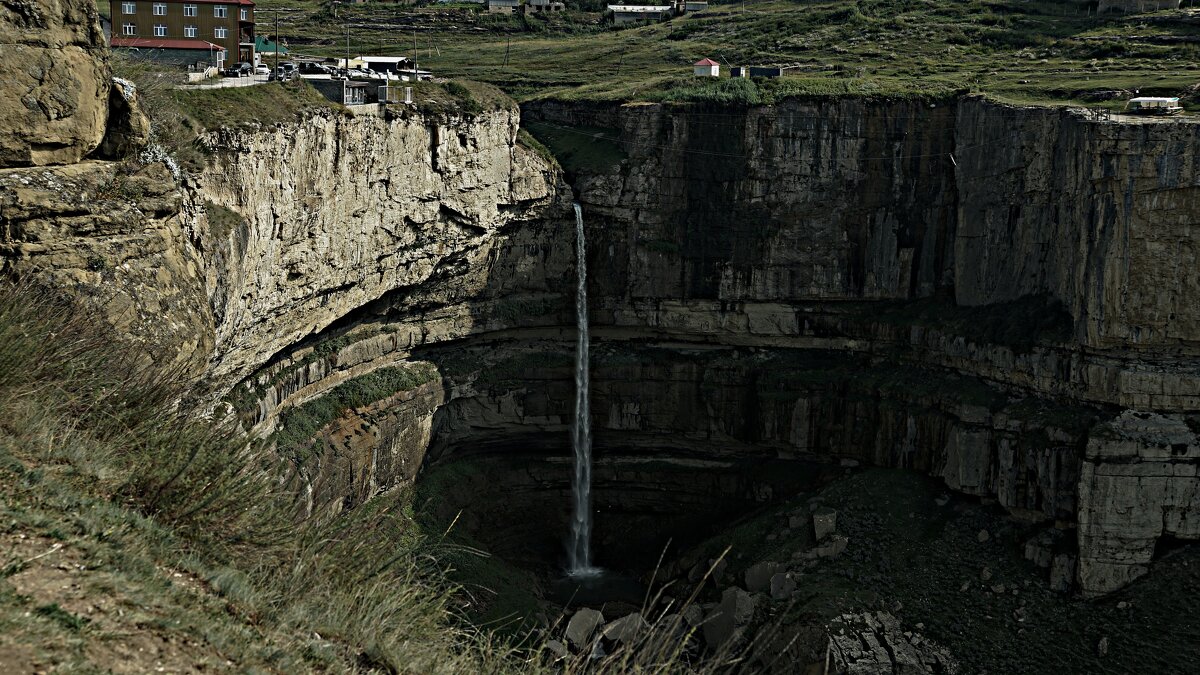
[1138, 484]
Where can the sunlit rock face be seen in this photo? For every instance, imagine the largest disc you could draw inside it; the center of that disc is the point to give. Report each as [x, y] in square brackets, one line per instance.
[56, 81]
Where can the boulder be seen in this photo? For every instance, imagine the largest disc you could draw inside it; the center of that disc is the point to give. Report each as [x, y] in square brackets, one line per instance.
[557, 649]
[782, 586]
[722, 624]
[758, 576]
[625, 629]
[875, 643]
[582, 625]
[830, 548]
[824, 521]
[128, 128]
[693, 615]
[56, 74]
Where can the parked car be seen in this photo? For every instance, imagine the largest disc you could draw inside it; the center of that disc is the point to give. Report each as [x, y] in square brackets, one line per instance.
[314, 69]
[260, 69]
[283, 74]
[239, 70]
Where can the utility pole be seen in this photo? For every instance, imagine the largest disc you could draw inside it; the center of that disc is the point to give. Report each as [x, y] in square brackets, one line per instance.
[276, 42]
[347, 49]
[414, 55]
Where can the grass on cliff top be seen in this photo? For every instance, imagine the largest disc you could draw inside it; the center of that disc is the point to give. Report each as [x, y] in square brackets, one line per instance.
[267, 104]
[1020, 50]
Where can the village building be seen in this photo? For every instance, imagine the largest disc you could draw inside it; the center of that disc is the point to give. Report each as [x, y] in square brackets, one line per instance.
[1154, 105]
[346, 92]
[387, 64]
[626, 14]
[706, 68]
[695, 6]
[766, 71]
[264, 47]
[504, 6]
[186, 32]
[539, 6]
[739, 71]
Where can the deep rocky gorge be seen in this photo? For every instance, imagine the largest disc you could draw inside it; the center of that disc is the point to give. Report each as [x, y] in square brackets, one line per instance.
[996, 297]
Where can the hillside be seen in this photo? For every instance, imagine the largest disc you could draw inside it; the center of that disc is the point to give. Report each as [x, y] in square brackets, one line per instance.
[1011, 49]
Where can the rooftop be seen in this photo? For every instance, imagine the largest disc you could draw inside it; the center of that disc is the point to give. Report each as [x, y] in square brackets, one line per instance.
[162, 43]
[639, 8]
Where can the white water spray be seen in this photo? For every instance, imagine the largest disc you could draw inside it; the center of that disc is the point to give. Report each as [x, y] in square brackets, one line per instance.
[581, 431]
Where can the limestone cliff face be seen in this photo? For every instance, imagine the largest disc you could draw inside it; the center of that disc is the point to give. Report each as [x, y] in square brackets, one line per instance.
[767, 227]
[113, 241]
[338, 211]
[1101, 215]
[749, 212]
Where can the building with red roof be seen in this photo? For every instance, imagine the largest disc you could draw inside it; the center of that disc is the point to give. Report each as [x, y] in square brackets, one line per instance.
[706, 68]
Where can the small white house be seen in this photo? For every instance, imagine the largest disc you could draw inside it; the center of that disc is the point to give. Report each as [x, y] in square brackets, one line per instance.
[1154, 105]
[706, 68]
[626, 14]
[503, 6]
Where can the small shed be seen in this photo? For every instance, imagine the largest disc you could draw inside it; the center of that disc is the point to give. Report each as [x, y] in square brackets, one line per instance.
[1154, 105]
[346, 92]
[627, 14]
[706, 68]
[766, 71]
[739, 71]
[503, 6]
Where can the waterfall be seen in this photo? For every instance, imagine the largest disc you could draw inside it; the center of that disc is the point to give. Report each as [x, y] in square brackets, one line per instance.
[581, 430]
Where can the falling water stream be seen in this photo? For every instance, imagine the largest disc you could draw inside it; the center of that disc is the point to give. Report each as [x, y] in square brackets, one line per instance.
[580, 554]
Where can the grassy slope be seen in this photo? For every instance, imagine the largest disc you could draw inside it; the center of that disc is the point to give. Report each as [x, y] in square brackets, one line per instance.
[1013, 49]
[128, 527]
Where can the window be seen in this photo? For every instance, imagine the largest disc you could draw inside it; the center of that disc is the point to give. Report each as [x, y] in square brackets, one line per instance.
[189, 31]
[245, 14]
[129, 8]
[160, 30]
[160, 9]
[220, 32]
[129, 29]
[220, 11]
[189, 10]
